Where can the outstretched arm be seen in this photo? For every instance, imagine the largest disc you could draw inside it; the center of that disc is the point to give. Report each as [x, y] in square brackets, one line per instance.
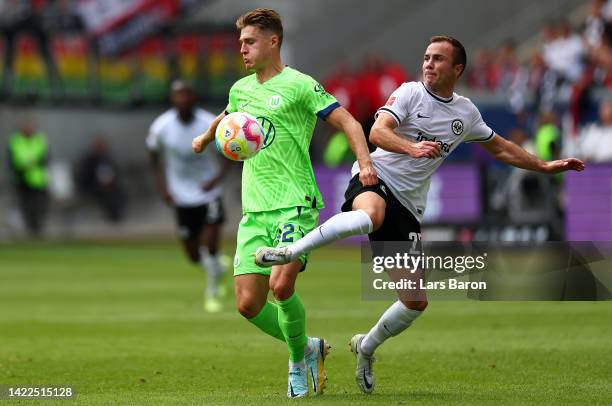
[512, 154]
[200, 142]
[344, 121]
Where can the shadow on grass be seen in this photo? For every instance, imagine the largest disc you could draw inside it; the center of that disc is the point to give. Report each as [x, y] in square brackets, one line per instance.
[398, 398]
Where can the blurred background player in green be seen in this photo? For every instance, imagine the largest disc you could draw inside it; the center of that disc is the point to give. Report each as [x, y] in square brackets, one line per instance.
[280, 198]
[191, 184]
[28, 160]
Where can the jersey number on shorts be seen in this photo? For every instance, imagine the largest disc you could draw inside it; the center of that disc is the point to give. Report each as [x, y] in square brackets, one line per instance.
[286, 236]
[415, 238]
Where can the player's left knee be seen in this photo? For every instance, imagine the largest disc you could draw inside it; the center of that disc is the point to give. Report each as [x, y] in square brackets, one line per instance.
[282, 289]
[419, 305]
[377, 216]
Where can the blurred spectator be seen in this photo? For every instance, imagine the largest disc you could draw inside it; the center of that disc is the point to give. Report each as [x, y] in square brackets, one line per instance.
[62, 16]
[539, 80]
[520, 137]
[480, 71]
[596, 139]
[338, 151]
[16, 17]
[607, 10]
[99, 178]
[362, 93]
[506, 66]
[563, 52]
[601, 55]
[342, 84]
[392, 76]
[594, 23]
[528, 197]
[369, 86]
[550, 35]
[28, 159]
[547, 137]
[514, 80]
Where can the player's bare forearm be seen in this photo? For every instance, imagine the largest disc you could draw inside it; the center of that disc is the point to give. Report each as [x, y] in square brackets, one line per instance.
[201, 141]
[383, 135]
[342, 120]
[512, 154]
[388, 140]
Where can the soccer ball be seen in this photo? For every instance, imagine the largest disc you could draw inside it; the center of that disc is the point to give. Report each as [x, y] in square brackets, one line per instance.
[239, 136]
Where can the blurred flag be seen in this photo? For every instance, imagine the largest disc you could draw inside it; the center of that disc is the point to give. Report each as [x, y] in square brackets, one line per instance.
[71, 53]
[154, 70]
[122, 24]
[115, 79]
[29, 69]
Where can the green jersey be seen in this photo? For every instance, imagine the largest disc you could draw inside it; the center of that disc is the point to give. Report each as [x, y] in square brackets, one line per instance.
[287, 106]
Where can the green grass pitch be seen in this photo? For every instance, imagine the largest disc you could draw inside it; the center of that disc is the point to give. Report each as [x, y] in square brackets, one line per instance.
[123, 324]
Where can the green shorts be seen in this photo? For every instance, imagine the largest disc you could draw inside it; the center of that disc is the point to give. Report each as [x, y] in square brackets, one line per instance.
[276, 228]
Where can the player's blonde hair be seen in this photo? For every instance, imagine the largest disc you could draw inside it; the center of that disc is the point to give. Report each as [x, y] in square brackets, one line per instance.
[264, 19]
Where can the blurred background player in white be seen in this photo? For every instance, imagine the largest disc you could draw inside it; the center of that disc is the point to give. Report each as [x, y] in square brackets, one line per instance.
[418, 127]
[191, 183]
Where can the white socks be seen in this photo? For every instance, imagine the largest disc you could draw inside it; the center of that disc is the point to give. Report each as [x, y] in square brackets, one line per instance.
[309, 347]
[300, 364]
[394, 320]
[214, 270]
[340, 226]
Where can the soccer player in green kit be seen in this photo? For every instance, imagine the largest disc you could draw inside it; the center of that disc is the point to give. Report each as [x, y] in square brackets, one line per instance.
[280, 198]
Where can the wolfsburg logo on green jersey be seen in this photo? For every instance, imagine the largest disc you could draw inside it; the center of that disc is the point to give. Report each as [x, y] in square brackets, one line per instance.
[268, 130]
[275, 102]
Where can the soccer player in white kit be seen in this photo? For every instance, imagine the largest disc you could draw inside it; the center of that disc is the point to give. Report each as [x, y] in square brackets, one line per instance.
[190, 183]
[420, 125]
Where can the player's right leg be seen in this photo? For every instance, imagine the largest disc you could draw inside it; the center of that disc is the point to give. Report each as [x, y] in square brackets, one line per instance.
[363, 212]
[251, 302]
[284, 320]
[403, 226]
[190, 229]
[306, 355]
[292, 321]
[210, 237]
[251, 282]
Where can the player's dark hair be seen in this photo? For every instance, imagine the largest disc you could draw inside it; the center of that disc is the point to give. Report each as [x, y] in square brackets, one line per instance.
[264, 19]
[459, 54]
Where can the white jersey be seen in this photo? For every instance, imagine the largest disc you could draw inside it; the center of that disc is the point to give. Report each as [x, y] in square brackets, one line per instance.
[186, 171]
[423, 116]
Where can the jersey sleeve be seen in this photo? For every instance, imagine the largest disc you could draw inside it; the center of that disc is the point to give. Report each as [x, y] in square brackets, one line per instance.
[231, 102]
[399, 103]
[317, 100]
[479, 130]
[153, 140]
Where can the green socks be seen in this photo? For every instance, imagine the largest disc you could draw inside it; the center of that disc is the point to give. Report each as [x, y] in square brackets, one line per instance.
[292, 323]
[268, 321]
[286, 322]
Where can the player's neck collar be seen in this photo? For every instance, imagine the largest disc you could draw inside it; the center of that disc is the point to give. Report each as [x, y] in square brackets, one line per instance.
[279, 71]
[435, 96]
